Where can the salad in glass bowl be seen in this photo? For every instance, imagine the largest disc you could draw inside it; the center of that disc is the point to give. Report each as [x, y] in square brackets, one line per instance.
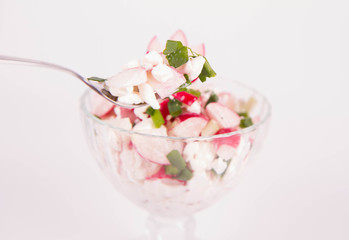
[181, 153]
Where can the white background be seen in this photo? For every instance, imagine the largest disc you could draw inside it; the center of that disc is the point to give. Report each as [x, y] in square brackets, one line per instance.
[294, 51]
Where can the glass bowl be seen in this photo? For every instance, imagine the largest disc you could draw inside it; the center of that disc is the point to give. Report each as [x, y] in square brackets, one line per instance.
[216, 162]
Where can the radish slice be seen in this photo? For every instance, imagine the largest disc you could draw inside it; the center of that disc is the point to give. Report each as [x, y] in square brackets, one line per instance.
[179, 35]
[226, 99]
[127, 78]
[128, 113]
[225, 117]
[159, 175]
[199, 49]
[164, 109]
[210, 129]
[165, 89]
[100, 106]
[187, 115]
[185, 98]
[156, 150]
[155, 45]
[232, 141]
[190, 127]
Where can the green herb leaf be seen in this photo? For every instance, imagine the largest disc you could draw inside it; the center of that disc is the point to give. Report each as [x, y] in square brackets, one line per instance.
[150, 111]
[174, 107]
[206, 72]
[243, 114]
[171, 170]
[184, 175]
[194, 92]
[188, 82]
[172, 46]
[213, 98]
[156, 116]
[246, 122]
[97, 79]
[178, 58]
[176, 160]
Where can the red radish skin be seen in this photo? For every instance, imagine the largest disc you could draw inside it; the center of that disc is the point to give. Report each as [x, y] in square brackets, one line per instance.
[155, 45]
[179, 35]
[185, 98]
[199, 49]
[109, 114]
[187, 115]
[231, 141]
[159, 175]
[225, 117]
[194, 80]
[164, 109]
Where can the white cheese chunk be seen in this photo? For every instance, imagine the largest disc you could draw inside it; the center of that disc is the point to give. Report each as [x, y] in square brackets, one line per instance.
[151, 59]
[132, 98]
[162, 73]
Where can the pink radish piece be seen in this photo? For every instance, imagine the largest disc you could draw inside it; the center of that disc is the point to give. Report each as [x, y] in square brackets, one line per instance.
[155, 45]
[128, 113]
[225, 117]
[159, 175]
[226, 99]
[179, 35]
[190, 127]
[232, 141]
[165, 89]
[127, 78]
[156, 149]
[100, 106]
[199, 49]
[185, 98]
[187, 115]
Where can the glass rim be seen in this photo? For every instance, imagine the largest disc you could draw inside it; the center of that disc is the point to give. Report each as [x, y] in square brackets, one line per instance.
[200, 138]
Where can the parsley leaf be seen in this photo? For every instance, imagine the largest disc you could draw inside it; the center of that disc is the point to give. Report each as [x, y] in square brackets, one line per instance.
[213, 98]
[178, 58]
[206, 72]
[172, 46]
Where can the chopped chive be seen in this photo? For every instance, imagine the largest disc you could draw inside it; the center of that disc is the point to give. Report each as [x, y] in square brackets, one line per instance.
[171, 170]
[156, 116]
[243, 114]
[176, 160]
[182, 89]
[97, 116]
[97, 79]
[188, 82]
[246, 122]
[194, 92]
[213, 98]
[184, 175]
[174, 107]
[150, 111]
